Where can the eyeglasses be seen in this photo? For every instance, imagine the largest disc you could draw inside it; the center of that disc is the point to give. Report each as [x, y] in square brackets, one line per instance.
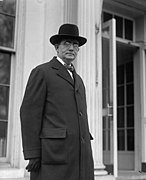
[68, 44]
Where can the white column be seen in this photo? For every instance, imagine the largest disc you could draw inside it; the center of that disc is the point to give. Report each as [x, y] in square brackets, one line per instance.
[70, 11]
[143, 100]
[89, 67]
[54, 18]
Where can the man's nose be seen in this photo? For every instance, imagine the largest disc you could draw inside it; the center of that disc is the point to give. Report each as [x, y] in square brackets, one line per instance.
[71, 46]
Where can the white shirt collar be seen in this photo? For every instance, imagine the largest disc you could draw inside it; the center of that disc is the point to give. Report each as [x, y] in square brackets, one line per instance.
[61, 61]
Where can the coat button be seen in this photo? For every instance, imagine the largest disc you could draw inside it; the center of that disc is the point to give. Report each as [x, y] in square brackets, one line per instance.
[80, 113]
[77, 91]
[82, 140]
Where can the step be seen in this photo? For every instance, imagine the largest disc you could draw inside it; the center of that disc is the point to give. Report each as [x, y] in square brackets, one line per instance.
[27, 178]
[129, 175]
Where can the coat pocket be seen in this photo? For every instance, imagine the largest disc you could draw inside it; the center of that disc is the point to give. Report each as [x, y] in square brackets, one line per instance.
[54, 147]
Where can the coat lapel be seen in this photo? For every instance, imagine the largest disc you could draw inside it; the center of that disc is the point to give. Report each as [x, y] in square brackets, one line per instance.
[61, 71]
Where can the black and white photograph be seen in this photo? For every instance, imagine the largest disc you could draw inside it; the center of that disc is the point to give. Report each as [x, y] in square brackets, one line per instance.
[72, 89]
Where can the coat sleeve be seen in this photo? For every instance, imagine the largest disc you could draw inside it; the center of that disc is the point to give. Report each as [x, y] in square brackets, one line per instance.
[31, 114]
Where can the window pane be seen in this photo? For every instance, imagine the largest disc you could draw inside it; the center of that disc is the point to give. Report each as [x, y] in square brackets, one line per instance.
[109, 140]
[119, 26]
[104, 122]
[106, 16]
[4, 68]
[129, 72]
[130, 94]
[120, 74]
[104, 140]
[3, 129]
[130, 117]
[4, 100]
[128, 29]
[120, 116]
[8, 6]
[121, 140]
[130, 140]
[105, 31]
[3, 137]
[104, 98]
[6, 31]
[120, 95]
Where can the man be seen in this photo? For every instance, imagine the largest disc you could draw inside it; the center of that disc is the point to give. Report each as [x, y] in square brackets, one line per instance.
[55, 133]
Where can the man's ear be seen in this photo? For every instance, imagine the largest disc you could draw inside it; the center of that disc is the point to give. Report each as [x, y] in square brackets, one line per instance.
[56, 46]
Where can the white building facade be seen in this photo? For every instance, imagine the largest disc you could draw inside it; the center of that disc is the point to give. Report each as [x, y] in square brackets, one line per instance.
[112, 65]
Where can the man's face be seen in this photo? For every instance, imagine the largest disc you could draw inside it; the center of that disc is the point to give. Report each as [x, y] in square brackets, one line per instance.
[67, 50]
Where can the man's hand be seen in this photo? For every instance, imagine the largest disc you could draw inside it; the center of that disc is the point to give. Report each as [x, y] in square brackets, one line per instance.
[33, 165]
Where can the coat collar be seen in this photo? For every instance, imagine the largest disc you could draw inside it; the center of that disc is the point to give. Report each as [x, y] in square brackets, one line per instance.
[62, 72]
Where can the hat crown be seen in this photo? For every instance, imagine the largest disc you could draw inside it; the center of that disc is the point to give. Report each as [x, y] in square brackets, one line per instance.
[69, 29]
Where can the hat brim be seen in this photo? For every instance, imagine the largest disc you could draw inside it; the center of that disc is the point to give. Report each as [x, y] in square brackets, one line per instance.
[58, 38]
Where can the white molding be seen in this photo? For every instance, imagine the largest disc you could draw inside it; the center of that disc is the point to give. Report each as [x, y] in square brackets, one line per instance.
[11, 172]
[14, 137]
[103, 177]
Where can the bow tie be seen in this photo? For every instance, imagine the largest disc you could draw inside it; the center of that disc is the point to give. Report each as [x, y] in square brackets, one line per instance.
[69, 67]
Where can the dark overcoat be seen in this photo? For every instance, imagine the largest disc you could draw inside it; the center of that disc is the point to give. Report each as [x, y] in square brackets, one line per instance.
[55, 125]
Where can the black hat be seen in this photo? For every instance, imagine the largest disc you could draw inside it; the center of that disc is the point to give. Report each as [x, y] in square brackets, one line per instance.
[68, 31]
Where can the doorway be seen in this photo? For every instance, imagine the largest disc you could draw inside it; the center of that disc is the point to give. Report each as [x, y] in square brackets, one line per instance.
[125, 107]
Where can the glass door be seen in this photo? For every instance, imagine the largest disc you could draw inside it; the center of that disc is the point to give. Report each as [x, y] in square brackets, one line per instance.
[109, 90]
